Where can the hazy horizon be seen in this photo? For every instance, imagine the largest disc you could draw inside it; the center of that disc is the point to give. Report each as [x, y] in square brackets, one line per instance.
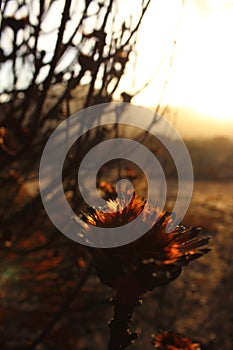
[191, 123]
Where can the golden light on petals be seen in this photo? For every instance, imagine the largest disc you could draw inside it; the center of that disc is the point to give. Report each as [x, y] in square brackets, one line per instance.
[118, 214]
[172, 341]
[155, 258]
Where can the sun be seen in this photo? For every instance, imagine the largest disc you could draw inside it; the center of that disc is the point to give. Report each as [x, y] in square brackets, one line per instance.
[201, 75]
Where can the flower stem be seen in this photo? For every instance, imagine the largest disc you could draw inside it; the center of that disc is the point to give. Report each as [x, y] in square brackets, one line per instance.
[121, 335]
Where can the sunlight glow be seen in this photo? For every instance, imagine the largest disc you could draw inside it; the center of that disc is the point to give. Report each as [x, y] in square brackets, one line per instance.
[201, 76]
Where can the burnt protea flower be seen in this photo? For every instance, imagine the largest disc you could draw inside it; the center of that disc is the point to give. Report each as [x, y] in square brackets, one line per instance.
[173, 341]
[154, 259]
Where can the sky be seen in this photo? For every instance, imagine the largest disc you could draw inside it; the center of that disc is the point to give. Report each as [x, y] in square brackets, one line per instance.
[200, 79]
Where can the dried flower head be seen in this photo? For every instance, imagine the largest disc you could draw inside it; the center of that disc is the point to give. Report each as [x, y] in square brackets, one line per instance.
[155, 258]
[172, 341]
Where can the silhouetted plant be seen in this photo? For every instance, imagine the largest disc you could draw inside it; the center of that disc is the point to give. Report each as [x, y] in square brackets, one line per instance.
[85, 53]
[153, 260]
